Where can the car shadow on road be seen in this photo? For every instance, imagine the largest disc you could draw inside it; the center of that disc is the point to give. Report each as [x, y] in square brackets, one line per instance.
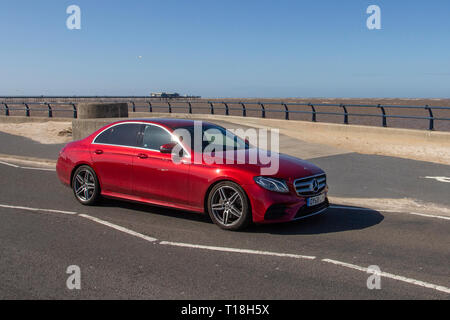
[153, 209]
[344, 218]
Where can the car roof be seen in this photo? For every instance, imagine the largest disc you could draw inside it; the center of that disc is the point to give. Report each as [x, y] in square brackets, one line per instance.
[172, 123]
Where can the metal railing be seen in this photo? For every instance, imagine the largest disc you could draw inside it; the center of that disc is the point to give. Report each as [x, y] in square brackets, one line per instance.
[244, 107]
[41, 106]
[285, 108]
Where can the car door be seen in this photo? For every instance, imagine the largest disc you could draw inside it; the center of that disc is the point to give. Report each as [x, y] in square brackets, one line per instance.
[112, 153]
[155, 176]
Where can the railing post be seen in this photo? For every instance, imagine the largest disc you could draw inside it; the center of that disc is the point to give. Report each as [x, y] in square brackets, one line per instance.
[133, 108]
[345, 113]
[190, 107]
[27, 109]
[211, 107]
[50, 111]
[150, 108]
[384, 115]
[227, 111]
[6, 109]
[75, 113]
[286, 110]
[430, 111]
[263, 110]
[170, 106]
[314, 118]
[244, 110]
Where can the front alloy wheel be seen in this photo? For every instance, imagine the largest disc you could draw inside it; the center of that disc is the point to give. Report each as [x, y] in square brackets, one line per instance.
[228, 206]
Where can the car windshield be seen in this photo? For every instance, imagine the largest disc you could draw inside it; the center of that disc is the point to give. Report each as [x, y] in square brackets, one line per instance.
[212, 136]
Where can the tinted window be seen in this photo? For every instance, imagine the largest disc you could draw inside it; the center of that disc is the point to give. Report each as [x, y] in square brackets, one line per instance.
[154, 137]
[123, 135]
[217, 136]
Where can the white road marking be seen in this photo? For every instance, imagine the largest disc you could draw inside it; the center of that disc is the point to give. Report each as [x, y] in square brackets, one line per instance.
[119, 228]
[440, 179]
[9, 164]
[235, 250]
[391, 211]
[392, 276]
[41, 169]
[428, 215]
[26, 168]
[37, 209]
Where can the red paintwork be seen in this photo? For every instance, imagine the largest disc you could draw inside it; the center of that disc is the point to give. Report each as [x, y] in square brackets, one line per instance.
[122, 174]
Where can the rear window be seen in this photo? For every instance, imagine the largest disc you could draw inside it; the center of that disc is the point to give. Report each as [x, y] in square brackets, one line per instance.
[121, 135]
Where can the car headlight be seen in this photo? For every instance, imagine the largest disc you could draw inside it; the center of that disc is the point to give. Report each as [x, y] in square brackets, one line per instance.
[272, 184]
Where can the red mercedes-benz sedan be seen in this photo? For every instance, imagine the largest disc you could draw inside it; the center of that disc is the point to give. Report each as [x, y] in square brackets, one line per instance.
[149, 161]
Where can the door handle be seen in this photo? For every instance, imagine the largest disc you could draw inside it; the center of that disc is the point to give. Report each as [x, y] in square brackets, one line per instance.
[142, 156]
[98, 151]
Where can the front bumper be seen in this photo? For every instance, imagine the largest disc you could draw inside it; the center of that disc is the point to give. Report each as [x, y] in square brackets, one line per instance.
[305, 212]
[272, 207]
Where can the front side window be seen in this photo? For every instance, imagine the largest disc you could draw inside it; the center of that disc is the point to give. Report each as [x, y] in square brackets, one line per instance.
[212, 135]
[121, 135]
[154, 137]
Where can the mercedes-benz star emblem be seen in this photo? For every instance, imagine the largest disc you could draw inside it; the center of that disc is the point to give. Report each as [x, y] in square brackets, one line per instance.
[315, 185]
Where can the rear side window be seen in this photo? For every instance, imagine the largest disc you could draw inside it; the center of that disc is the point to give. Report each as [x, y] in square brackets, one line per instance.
[154, 137]
[122, 135]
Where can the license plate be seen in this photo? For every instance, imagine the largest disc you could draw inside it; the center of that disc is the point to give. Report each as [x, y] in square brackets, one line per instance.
[314, 201]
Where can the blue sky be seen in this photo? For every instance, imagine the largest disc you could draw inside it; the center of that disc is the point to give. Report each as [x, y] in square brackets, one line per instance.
[226, 48]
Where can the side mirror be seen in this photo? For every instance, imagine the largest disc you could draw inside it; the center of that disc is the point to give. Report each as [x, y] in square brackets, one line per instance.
[167, 148]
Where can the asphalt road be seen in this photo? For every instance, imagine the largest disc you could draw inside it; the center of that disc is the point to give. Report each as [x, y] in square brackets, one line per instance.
[36, 247]
[21, 146]
[372, 176]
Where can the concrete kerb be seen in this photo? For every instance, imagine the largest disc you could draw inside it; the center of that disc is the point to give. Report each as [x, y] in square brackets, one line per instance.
[28, 161]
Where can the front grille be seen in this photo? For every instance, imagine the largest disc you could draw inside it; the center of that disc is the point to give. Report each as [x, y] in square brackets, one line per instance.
[310, 186]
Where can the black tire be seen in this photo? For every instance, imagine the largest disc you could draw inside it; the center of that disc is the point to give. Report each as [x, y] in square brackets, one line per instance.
[88, 180]
[220, 196]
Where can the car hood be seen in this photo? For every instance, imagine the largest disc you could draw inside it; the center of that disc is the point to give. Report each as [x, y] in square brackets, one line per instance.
[270, 163]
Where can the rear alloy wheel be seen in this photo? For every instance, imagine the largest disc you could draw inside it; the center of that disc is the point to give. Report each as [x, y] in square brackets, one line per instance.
[85, 185]
[228, 206]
